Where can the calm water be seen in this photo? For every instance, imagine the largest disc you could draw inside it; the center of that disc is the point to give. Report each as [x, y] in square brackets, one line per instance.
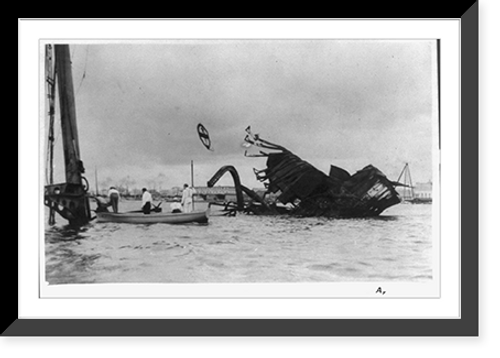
[396, 246]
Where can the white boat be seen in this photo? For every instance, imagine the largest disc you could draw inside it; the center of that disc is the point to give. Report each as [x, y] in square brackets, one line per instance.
[200, 217]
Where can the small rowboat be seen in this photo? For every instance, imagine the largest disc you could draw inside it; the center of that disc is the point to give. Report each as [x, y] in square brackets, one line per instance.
[154, 218]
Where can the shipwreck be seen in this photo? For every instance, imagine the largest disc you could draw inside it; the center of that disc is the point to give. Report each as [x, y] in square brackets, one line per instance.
[298, 188]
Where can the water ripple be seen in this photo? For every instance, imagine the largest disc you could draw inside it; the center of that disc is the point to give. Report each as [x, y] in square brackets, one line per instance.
[246, 248]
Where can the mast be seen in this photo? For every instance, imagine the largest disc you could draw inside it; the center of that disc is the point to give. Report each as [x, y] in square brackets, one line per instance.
[192, 174]
[72, 162]
[51, 92]
[192, 180]
[51, 89]
[69, 199]
[408, 179]
[96, 183]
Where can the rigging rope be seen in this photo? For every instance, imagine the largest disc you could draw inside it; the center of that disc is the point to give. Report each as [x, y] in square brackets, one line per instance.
[51, 76]
[84, 70]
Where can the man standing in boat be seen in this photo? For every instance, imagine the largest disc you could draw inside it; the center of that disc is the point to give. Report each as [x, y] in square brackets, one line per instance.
[114, 197]
[146, 201]
[187, 199]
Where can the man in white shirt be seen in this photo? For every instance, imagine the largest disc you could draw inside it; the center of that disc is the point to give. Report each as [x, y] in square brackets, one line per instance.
[187, 199]
[176, 206]
[146, 201]
[113, 196]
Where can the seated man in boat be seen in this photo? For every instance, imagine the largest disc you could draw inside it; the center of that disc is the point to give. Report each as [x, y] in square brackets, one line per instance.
[114, 197]
[176, 206]
[102, 204]
[146, 201]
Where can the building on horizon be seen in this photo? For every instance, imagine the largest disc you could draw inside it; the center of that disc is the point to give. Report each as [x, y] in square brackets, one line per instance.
[418, 193]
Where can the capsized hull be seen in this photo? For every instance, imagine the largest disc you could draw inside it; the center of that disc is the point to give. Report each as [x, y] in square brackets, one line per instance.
[155, 218]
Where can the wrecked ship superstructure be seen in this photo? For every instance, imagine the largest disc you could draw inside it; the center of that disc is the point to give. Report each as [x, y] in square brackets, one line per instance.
[301, 189]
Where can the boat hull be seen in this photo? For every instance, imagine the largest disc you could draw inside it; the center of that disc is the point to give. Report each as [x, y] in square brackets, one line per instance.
[154, 218]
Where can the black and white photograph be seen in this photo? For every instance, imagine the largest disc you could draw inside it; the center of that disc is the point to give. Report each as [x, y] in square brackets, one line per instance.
[230, 161]
[256, 186]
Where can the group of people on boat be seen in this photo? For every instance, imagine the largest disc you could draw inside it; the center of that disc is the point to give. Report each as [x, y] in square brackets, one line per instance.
[184, 205]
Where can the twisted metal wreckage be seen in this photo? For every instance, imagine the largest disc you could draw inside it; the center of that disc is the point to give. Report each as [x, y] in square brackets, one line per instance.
[303, 190]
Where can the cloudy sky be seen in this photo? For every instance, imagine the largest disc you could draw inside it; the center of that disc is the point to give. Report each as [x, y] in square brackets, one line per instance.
[344, 102]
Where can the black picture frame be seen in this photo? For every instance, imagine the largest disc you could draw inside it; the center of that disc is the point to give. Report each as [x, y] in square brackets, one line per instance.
[466, 325]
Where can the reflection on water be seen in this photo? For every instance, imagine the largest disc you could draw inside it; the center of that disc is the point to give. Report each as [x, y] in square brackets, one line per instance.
[245, 248]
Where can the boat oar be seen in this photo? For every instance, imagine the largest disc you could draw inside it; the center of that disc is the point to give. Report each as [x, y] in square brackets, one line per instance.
[157, 208]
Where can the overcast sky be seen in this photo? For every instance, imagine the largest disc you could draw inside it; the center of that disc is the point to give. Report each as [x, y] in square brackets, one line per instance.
[341, 102]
